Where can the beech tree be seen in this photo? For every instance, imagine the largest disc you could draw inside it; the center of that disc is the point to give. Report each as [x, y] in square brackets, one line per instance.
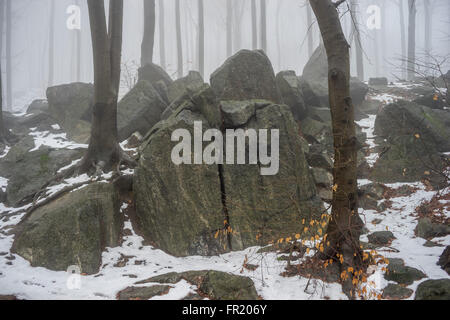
[345, 226]
[179, 42]
[8, 55]
[229, 28]
[263, 26]
[148, 41]
[201, 38]
[51, 44]
[357, 39]
[411, 65]
[104, 151]
[254, 26]
[162, 39]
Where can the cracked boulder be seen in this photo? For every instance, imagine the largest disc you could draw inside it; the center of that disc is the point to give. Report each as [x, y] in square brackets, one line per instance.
[291, 92]
[192, 81]
[71, 230]
[203, 209]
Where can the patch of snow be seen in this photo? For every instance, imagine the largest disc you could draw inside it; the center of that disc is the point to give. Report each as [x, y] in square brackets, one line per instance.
[56, 141]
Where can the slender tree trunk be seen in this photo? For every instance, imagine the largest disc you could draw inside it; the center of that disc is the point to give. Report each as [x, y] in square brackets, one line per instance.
[345, 226]
[9, 77]
[2, 19]
[79, 52]
[263, 26]
[411, 39]
[278, 35]
[162, 40]
[104, 151]
[254, 26]
[358, 45]
[148, 41]
[179, 42]
[229, 28]
[201, 38]
[2, 125]
[403, 37]
[428, 30]
[51, 44]
[309, 22]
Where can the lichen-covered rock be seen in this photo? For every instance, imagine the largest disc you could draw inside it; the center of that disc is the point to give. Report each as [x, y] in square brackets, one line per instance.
[402, 274]
[382, 238]
[193, 81]
[444, 260]
[265, 208]
[38, 106]
[427, 229]
[291, 93]
[28, 170]
[142, 293]
[154, 74]
[187, 209]
[71, 230]
[71, 106]
[216, 285]
[378, 82]
[139, 110]
[245, 76]
[396, 292]
[433, 290]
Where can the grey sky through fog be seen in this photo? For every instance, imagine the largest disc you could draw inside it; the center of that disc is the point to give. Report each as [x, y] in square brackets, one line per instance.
[286, 29]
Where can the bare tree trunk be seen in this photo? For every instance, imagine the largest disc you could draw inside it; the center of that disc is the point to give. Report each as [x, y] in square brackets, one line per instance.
[2, 19]
[229, 28]
[201, 38]
[254, 26]
[148, 41]
[358, 44]
[78, 62]
[402, 37]
[51, 44]
[309, 22]
[263, 26]
[104, 151]
[428, 30]
[278, 35]
[9, 98]
[162, 40]
[179, 42]
[411, 39]
[345, 226]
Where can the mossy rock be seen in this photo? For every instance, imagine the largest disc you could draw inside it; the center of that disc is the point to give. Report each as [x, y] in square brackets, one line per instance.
[433, 290]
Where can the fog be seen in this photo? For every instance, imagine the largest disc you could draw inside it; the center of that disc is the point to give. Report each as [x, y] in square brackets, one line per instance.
[287, 31]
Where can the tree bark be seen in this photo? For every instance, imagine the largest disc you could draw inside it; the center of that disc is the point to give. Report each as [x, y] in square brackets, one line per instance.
[263, 26]
[254, 26]
[411, 39]
[9, 77]
[229, 28]
[104, 150]
[179, 42]
[345, 225]
[201, 38]
[51, 44]
[162, 40]
[309, 22]
[358, 44]
[148, 41]
[428, 30]
[402, 37]
[78, 39]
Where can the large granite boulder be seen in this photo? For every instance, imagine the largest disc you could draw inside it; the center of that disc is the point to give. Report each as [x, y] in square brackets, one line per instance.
[315, 73]
[411, 138]
[139, 110]
[28, 169]
[210, 209]
[71, 106]
[405, 118]
[192, 81]
[154, 74]
[246, 75]
[291, 92]
[71, 230]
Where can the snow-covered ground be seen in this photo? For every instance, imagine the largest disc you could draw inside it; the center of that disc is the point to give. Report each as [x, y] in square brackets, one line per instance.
[18, 278]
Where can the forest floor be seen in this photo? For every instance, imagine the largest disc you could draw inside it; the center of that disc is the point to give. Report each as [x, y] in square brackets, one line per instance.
[133, 261]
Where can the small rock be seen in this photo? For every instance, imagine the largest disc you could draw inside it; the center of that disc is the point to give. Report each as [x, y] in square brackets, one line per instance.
[382, 238]
[427, 229]
[396, 292]
[403, 274]
[444, 260]
[143, 293]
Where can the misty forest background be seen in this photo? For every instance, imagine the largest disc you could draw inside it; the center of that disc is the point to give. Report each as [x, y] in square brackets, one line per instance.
[40, 51]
